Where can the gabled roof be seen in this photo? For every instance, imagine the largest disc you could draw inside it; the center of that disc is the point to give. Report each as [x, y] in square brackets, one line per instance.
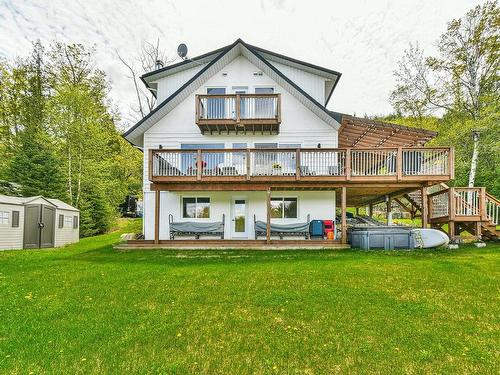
[150, 77]
[21, 201]
[363, 132]
[219, 60]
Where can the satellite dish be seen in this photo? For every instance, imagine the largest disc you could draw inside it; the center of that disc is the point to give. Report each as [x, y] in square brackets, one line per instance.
[182, 50]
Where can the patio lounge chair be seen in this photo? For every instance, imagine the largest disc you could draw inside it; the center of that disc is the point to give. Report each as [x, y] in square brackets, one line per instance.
[195, 228]
[281, 230]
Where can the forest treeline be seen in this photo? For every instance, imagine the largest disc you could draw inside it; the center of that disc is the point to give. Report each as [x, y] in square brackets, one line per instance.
[457, 91]
[59, 135]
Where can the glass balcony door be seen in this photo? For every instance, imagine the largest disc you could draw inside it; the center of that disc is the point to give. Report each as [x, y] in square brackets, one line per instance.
[216, 107]
[243, 101]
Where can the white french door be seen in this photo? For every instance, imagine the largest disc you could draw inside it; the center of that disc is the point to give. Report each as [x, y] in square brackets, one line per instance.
[239, 218]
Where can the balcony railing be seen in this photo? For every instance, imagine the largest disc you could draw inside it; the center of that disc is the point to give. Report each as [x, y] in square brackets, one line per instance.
[238, 112]
[343, 164]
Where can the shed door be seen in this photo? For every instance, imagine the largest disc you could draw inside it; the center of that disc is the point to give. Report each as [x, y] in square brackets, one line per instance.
[31, 229]
[48, 226]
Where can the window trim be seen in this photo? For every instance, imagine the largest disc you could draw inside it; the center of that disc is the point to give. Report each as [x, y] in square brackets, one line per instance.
[8, 215]
[264, 87]
[68, 221]
[283, 197]
[60, 223]
[215, 87]
[196, 204]
[17, 216]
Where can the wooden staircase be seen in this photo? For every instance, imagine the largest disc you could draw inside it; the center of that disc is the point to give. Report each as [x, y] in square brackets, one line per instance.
[470, 210]
[490, 226]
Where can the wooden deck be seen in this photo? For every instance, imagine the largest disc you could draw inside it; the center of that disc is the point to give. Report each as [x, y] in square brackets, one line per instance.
[302, 166]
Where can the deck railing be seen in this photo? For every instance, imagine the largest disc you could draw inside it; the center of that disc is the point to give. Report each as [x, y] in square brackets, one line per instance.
[492, 206]
[439, 204]
[237, 107]
[328, 164]
[460, 203]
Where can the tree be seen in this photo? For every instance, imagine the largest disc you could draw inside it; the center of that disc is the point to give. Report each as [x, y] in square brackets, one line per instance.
[33, 163]
[58, 134]
[460, 83]
[151, 55]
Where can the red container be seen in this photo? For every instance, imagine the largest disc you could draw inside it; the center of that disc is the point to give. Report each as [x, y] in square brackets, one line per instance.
[329, 227]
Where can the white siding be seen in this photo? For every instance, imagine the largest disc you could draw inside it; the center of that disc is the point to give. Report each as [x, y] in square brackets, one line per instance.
[299, 124]
[318, 204]
[168, 85]
[67, 234]
[313, 84]
[11, 238]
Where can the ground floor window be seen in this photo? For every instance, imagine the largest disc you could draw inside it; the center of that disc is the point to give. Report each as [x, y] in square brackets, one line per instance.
[4, 217]
[283, 208]
[198, 207]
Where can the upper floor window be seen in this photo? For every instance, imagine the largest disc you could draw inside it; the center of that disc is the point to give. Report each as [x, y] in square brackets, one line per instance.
[264, 90]
[264, 107]
[210, 161]
[216, 107]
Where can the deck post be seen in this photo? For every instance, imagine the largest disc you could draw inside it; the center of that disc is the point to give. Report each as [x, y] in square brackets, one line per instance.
[389, 209]
[424, 209]
[157, 216]
[199, 165]
[268, 224]
[482, 204]
[343, 210]
[399, 164]
[348, 164]
[238, 108]
[297, 164]
[248, 155]
[451, 230]
[451, 205]
[478, 230]
[370, 210]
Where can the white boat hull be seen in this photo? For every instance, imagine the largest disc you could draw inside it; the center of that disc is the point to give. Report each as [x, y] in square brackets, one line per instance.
[426, 238]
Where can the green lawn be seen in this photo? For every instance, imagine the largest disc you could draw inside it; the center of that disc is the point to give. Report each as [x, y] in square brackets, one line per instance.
[91, 309]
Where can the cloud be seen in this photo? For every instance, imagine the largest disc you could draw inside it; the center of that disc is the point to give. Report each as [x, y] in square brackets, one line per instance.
[361, 39]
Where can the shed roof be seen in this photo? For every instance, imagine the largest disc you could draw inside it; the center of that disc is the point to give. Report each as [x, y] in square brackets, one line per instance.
[363, 132]
[21, 201]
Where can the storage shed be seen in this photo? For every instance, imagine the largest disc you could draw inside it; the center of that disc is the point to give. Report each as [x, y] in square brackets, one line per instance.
[37, 222]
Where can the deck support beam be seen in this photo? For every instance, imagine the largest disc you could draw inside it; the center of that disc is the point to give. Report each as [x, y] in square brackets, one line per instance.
[451, 230]
[343, 213]
[157, 216]
[268, 218]
[388, 203]
[424, 209]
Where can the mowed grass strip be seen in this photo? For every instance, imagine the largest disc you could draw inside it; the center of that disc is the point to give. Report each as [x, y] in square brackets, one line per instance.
[90, 309]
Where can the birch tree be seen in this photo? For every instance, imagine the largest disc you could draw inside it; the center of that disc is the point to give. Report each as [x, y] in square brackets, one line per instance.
[460, 82]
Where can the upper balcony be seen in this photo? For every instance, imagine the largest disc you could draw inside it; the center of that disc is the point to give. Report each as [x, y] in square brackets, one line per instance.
[371, 165]
[238, 112]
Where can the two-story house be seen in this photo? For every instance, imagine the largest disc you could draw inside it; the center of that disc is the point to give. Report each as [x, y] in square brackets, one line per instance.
[242, 144]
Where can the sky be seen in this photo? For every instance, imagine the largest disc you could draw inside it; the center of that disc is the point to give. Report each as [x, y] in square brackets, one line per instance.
[362, 39]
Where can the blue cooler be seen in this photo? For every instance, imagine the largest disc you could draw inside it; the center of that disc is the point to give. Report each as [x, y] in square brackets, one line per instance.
[316, 229]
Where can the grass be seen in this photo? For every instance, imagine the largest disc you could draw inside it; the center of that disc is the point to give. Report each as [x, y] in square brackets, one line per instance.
[90, 309]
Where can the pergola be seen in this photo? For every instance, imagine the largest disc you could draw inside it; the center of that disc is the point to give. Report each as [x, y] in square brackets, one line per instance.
[363, 132]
